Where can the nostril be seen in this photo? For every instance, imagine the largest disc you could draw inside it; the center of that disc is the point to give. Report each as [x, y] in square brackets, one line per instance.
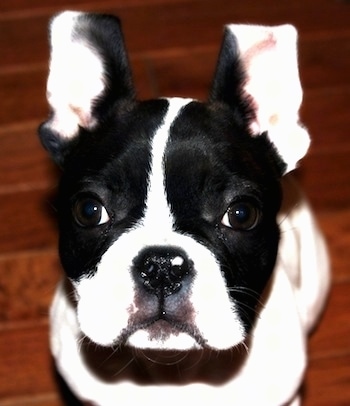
[151, 274]
[161, 270]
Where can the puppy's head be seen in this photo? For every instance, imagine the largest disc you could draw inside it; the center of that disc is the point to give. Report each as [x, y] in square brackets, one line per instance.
[167, 208]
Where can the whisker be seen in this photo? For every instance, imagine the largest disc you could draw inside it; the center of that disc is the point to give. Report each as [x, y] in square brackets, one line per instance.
[196, 362]
[245, 346]
[163, 362]
[248, 292]
[287, 213]
[124, 367]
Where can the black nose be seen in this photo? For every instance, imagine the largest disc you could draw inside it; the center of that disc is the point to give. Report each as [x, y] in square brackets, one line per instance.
[162, 271]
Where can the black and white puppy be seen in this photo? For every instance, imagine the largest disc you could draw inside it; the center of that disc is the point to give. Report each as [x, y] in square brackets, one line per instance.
[186, 280]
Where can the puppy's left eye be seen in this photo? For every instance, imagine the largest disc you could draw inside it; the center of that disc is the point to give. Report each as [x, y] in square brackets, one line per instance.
[89, 212]
[242, 216]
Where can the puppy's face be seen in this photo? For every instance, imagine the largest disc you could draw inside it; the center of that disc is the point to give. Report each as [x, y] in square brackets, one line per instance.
[167, 208]
[168, 226]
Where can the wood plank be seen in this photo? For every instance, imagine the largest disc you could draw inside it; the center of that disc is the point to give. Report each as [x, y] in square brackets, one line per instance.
[46, 399]
[327, 382]
[336, 228]
[27, 292]
[325, 179]
[334, 326]
[37, 5]
[178, 25]
[24, 93]
[25, 367]
[184, 73]
[27, 221]
[24, 164]
[324, 61]
[20, 7]
[325, 114]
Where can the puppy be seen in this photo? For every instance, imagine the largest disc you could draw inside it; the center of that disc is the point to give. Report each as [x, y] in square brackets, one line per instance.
[188, 276]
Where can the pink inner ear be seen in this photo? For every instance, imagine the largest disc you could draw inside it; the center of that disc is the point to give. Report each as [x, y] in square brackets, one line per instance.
[249, 56]
[270, 61]
[269, 57]
[266, 44]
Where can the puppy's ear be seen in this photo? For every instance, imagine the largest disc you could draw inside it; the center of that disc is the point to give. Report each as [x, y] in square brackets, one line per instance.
[89, 76]
[257, 75]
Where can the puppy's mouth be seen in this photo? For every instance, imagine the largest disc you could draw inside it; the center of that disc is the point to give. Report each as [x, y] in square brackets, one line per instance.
[163, 332]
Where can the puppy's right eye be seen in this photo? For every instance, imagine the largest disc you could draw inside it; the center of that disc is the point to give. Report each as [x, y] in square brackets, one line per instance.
[242, 216]
[89, 212]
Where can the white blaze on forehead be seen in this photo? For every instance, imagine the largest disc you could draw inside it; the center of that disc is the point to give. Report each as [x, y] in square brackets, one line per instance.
[158, 215]
[209, 295]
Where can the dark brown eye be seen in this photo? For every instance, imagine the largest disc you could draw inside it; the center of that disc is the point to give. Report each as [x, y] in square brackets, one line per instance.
[89, 212]
[242, 216]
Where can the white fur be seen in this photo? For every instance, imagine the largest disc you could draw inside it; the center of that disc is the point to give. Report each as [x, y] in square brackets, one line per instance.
[75, 77]
[269, 56]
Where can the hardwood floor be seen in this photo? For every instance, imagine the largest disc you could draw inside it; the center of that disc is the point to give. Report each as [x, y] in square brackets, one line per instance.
[173, 45]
